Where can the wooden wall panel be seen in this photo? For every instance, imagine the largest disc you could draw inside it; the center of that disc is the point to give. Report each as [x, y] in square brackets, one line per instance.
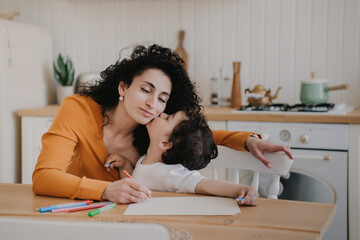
[279, 42]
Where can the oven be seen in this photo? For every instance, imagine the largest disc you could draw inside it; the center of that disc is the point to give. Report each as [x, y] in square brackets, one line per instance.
[319, 172]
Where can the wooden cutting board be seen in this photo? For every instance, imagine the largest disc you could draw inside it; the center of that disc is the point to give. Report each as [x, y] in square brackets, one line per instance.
[180, 50]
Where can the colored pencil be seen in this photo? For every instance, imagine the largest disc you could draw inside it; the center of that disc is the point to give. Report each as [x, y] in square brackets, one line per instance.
[128, 175]
[64, 205]
[102, 209]
[87, 207]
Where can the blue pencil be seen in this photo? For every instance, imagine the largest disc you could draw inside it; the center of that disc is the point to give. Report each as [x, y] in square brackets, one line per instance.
[65, 205]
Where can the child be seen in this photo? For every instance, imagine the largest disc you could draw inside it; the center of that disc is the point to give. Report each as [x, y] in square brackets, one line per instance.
[180, 144]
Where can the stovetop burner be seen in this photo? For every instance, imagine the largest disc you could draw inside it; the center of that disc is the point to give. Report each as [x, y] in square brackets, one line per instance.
[323, 107]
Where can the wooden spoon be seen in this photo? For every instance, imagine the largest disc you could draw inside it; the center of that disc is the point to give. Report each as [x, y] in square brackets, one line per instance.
[180, 49]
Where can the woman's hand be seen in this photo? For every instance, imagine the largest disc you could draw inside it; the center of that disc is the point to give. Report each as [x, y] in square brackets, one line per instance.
[115, 160]
[125, 191]
[248, 195]
[258, 147]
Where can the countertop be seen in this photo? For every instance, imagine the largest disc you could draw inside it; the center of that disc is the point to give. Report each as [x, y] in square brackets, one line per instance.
[226, 114]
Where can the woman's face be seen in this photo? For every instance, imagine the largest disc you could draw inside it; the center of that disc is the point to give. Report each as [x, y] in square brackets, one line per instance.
[147, 95]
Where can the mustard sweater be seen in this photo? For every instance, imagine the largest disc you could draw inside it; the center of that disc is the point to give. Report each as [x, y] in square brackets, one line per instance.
[71, 161]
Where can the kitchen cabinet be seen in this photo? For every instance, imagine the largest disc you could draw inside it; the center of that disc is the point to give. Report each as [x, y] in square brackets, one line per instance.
[354, 181]
[32, 128]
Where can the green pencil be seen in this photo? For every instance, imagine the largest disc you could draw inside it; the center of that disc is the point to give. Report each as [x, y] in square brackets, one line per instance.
[102, 209]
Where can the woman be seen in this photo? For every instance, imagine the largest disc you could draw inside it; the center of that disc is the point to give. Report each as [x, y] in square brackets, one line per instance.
[103, 120]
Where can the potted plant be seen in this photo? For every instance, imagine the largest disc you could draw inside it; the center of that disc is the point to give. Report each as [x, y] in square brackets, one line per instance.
[64, 74]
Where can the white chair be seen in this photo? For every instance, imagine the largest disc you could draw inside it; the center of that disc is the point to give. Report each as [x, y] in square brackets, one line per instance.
[30, 229]
[232, 159]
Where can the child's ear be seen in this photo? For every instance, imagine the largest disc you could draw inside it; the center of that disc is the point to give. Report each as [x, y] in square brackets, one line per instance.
[122, 87]
[165, 145]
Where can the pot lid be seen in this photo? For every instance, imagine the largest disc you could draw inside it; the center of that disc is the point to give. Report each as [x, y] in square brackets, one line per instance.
[315, 81]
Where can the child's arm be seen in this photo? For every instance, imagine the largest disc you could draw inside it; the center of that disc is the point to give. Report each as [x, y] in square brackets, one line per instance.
[227, 189]
[117, 161]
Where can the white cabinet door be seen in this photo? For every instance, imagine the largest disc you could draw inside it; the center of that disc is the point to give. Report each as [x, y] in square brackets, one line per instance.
[218, 125]
[32, 129]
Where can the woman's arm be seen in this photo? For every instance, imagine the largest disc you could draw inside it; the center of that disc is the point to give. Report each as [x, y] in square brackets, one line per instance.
[235, 140]
[227, 189]
[51, 175]
[243, 142]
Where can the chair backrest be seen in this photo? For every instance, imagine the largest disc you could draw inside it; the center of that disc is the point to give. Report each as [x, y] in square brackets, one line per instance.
[232, 159]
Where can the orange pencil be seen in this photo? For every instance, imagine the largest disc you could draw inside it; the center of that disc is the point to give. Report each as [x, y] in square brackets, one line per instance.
[128, 175]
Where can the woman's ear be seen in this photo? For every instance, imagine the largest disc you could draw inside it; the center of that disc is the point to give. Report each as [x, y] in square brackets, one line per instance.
[122, 87]
[165, 145]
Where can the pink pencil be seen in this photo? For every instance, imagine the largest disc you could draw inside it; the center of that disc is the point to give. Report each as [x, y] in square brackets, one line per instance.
[81, 208]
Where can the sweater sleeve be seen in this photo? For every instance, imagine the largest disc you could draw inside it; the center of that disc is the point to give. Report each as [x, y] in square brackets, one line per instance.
[58, 145]
[235, 140]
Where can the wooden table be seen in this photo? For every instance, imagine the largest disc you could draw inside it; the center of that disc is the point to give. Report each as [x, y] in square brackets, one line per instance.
[270, 219]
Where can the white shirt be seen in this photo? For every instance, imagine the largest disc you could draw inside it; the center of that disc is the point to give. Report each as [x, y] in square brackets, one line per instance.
[163, 177]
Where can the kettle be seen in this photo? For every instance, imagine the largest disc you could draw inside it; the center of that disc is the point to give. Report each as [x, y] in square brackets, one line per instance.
[259, 96]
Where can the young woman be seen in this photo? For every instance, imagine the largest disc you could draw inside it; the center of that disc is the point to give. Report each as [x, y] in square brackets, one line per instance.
[103, 120]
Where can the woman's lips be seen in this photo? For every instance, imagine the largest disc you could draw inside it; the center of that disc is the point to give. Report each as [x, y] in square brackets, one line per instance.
[146, 113]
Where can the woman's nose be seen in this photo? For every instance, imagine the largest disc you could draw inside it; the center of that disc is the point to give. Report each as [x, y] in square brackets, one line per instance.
[150, 102]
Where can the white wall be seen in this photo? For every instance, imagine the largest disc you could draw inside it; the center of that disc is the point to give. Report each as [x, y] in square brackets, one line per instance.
[279, 42]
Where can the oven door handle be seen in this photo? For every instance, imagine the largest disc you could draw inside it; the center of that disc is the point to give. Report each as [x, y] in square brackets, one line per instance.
[325, 157]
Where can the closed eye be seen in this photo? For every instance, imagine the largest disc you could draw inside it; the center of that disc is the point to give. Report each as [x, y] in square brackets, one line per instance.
[145, 90]
[162, 100]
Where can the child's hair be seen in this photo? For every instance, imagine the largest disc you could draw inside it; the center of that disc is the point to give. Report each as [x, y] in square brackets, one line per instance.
[192, 141]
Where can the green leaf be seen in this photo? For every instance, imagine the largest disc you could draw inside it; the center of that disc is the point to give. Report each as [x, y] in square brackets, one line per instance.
[62, 68]
[70, 78]
[57, 74]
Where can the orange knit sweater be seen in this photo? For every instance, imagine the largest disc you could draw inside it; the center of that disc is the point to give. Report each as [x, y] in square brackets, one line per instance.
[71, 161]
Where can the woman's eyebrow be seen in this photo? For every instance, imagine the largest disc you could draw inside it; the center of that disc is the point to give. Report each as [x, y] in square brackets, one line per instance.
[152, 86]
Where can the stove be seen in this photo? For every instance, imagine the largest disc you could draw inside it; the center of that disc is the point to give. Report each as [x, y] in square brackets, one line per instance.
[281, 108]
[320, 169]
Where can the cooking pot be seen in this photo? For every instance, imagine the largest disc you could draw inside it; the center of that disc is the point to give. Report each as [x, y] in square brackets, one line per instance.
[315, 91]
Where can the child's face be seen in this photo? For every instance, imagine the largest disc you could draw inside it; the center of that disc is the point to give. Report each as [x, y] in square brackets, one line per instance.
[161, 127]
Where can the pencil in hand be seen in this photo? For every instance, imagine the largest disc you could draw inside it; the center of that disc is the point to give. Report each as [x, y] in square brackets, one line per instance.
[129, 176]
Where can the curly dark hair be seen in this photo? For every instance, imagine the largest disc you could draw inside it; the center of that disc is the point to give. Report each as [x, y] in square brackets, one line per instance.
[192, 141]
[105, 92]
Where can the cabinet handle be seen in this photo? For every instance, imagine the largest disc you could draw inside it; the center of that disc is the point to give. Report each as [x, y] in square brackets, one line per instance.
[326, 157]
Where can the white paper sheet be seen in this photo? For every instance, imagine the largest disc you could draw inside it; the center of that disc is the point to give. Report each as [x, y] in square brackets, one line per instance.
[184, 206]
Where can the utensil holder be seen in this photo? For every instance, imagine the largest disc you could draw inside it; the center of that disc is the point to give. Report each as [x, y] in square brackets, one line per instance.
[236, 86]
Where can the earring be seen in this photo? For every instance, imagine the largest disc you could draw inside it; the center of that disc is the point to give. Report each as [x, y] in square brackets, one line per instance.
[121, 98]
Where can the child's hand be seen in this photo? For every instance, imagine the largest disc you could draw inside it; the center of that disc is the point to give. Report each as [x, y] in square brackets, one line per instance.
[115, 160]
[248, 196]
